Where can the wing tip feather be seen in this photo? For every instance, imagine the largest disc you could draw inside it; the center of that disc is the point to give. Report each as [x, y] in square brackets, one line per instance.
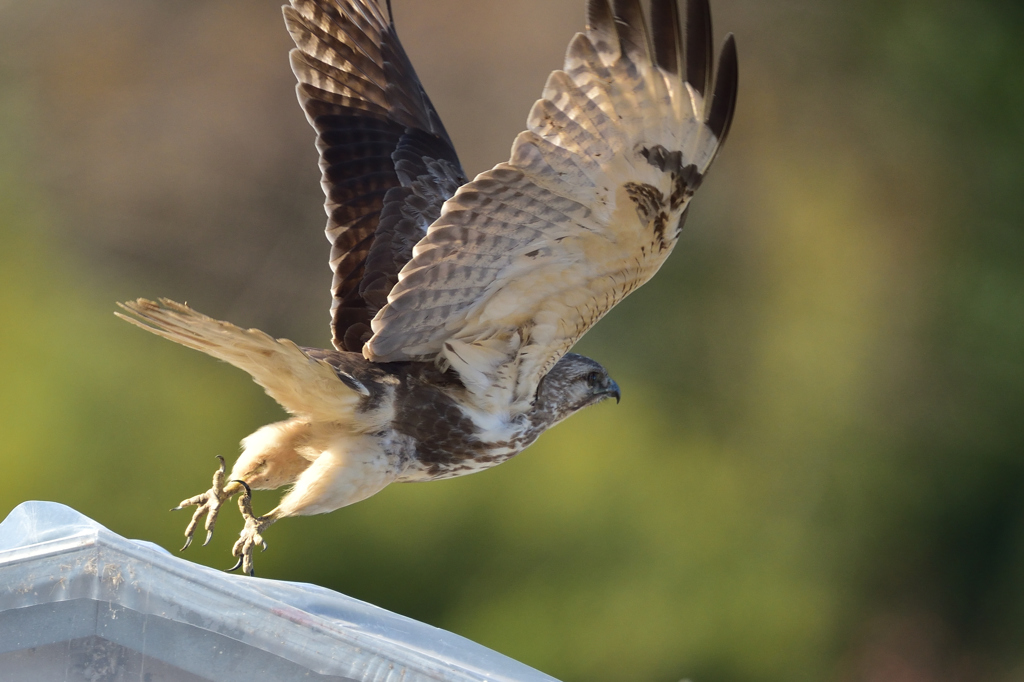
[723, 99]
[699, 45]
[666, 35]
[601, 27]
[631, 28]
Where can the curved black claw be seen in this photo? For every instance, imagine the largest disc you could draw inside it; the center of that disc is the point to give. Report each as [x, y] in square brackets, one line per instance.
[235, 567]
[252, 533]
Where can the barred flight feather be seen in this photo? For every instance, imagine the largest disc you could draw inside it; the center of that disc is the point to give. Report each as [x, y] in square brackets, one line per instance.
[380, 141]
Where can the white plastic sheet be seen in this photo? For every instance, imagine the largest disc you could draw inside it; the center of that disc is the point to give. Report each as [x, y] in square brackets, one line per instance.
[80, 603]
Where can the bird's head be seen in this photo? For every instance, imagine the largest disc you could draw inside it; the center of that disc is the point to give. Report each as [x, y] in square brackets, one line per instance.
[573, 383]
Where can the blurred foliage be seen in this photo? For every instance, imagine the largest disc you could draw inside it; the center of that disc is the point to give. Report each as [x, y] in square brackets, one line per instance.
[816, 471]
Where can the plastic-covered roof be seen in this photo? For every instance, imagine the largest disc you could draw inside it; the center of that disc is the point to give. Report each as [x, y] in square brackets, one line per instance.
[78, 602]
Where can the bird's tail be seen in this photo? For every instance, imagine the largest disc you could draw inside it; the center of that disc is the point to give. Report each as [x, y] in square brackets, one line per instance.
[181, 324]
[302, 385]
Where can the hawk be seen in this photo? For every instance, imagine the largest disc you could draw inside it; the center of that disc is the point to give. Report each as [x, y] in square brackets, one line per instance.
[455, 302]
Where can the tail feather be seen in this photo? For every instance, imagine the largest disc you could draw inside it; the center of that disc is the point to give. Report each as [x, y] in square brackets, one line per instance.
[304, 386]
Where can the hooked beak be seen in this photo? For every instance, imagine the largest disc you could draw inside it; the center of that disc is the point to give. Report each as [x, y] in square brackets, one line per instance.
[613, 390]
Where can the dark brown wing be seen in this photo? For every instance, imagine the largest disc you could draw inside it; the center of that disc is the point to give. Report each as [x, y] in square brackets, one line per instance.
[387, 162]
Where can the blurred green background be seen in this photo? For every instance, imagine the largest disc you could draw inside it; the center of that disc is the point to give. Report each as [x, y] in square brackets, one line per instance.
[816, 471]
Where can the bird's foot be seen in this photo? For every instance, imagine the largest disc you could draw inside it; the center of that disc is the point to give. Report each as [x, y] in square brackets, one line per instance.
[208, 504]
[251, 535]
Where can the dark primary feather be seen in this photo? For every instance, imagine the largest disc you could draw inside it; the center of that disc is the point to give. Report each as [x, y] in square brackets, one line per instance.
[601, 25]
[723, 101]
[699, 45]
[386, 160]
[665, 33]
[632, 30]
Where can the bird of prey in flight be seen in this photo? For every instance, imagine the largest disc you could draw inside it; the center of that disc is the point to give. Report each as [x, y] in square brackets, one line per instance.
[456, 301]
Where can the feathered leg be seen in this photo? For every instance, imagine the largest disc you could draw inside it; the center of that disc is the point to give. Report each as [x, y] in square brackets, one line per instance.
[269, 460]
[350, 469]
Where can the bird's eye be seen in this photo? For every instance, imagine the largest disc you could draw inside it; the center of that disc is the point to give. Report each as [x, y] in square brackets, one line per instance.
[594, 379]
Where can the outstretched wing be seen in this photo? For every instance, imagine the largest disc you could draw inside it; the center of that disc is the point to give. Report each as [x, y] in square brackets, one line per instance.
[387, 162]
[529, 255]
[304, 386]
